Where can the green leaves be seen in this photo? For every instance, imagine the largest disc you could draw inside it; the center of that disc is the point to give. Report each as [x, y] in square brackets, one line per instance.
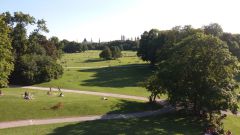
[110, 53]
[199, 72]
[35, 57]
[6, 58]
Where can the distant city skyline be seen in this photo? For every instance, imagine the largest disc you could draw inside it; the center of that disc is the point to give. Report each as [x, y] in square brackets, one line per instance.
[110, 19]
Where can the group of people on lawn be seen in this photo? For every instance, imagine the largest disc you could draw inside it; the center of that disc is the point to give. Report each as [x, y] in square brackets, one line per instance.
[28, 96]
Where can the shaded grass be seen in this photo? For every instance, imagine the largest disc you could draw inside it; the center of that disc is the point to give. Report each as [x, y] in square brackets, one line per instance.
[121, 77]
[118, 76]
[116, 79]
[168, 124]
[14, 107]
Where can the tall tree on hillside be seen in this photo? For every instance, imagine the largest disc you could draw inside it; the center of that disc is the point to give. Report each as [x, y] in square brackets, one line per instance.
[6, 59]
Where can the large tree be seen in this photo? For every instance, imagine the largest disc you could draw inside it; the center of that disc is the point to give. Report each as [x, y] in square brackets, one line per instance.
[149, 44]
[6, 59]
[199, 75]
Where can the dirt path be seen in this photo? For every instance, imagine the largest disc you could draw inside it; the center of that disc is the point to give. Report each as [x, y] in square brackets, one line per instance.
[20, 123]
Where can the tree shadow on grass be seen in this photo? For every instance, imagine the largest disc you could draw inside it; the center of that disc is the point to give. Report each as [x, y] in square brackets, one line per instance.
[128, 106]
[118, 76]
[168, 124]
[94, 60]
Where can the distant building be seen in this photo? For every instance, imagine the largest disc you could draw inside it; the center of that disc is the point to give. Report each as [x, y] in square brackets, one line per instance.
[123, 38]
[84, 40]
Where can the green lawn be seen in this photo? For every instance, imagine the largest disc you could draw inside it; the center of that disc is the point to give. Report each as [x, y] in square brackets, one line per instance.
[120, 78]
[14, 107]
[169, 124]
[91, 59]
[123, 80]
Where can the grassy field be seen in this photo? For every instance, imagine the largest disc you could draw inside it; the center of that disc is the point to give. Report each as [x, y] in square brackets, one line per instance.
[91, 59]
[14, 107]
[169, 124]
[121, 77]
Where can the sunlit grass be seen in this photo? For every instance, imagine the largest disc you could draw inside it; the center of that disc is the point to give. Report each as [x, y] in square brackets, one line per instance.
[14, 107]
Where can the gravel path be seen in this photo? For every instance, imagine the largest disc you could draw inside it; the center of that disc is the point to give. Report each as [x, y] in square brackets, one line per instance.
[20, 123]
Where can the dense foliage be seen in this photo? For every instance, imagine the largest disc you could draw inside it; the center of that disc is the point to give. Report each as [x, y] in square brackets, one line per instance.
[154, 45]
[196, 68]
[110, 53]
[6, 59]
[35, 56]
[35, 69]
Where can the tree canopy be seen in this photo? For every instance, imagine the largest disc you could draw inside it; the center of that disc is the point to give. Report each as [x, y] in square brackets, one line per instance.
[35, 56]
[6, 59]
[195, 68]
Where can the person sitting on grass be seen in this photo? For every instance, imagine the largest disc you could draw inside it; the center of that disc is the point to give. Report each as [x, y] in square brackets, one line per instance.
[27, 95]
[61, 95]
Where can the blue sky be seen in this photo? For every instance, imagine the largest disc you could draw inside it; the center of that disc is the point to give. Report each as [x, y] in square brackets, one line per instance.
[109, 19]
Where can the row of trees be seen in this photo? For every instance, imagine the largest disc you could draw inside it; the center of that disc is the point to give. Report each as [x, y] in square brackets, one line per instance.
[27, 59]
[73, 47]
[196, 69]
[153, 41]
